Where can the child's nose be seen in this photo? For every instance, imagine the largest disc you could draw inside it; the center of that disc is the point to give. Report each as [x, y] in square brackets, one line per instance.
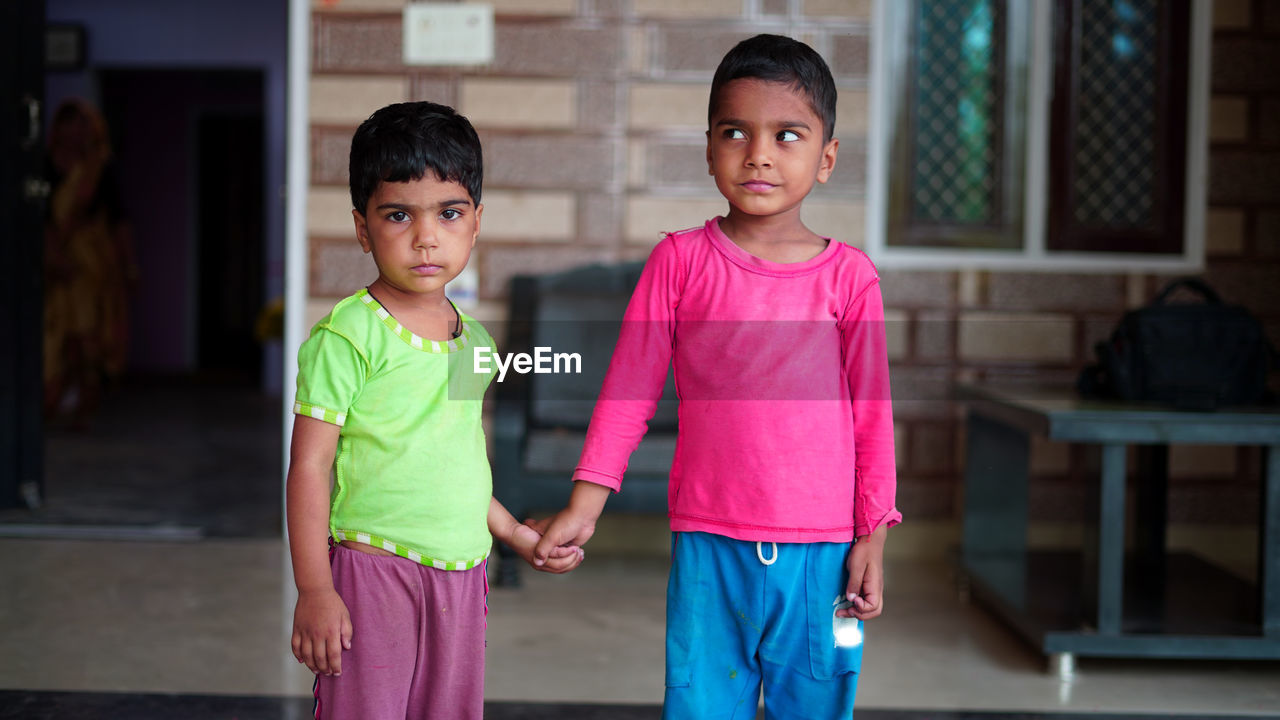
[758, 154]
[425, 235]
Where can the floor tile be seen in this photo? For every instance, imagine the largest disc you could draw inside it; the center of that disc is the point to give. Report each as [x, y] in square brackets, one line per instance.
[121, 628]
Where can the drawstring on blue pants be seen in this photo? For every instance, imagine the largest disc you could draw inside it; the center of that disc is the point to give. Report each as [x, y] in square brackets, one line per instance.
[760, 553]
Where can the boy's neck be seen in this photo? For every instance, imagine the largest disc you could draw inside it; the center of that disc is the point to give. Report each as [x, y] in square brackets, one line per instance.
[777, 238]
[429, 315]
[388, 294]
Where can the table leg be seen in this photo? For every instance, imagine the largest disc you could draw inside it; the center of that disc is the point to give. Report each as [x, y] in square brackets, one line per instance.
[1111, 539]
[995, 506]
[1063, 664]
[1151, 510]
[1269, 544]
[1146, 597]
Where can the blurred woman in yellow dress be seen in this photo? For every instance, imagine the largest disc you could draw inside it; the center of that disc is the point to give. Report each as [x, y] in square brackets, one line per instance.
[89, 266]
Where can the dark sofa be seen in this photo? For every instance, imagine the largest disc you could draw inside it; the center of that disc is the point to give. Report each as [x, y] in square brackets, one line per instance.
[540, 419]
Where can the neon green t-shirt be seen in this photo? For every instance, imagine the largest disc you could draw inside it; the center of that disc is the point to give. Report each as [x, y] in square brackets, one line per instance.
[411, 474]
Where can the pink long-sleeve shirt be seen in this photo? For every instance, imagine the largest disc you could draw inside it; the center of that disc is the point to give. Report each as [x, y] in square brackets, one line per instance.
[785, 419]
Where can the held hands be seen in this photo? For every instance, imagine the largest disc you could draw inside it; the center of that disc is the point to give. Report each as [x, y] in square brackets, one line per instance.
[321, 631]
[573, 525]
[560, 559]
[523, 539]
[866, 576]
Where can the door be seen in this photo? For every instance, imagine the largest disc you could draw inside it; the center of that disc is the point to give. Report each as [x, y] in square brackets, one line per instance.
[22, 196]
[190, 148]
[230, 242]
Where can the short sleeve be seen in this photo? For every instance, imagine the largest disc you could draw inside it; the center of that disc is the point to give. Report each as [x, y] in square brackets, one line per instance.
[331, 374]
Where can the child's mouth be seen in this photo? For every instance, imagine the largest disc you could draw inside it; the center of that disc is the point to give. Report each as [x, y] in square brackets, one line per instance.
[426, 269]
[758, 186]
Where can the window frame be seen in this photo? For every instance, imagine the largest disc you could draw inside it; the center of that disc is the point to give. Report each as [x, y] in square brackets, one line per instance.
[1010, 135]
[888, 53]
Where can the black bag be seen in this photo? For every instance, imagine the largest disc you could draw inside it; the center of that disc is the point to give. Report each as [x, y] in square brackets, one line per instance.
[1193, 356]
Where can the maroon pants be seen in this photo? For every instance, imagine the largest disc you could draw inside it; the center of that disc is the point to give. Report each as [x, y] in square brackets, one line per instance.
[417, 643]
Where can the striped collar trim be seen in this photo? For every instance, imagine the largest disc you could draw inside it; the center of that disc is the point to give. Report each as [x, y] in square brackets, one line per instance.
[414, 340]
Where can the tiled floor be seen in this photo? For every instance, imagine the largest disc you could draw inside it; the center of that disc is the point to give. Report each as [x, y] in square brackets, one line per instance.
[197, 628]
[94, 706]
[209, 617]
[167, 458]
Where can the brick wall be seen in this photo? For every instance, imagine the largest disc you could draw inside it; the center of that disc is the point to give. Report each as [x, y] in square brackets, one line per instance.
[593, 116]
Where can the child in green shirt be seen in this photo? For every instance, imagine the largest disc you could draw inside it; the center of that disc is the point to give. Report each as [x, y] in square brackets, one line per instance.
[389, 564]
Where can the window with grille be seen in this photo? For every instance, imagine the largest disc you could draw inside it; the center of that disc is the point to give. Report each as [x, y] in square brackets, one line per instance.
[1058, 134]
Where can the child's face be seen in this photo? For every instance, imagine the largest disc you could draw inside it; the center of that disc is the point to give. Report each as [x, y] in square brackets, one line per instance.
[420, 232]
[765, 148]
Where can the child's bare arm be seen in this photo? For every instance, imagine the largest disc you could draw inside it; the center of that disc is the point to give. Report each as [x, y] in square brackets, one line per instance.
[523, 539]
[866, 576]
[321, 623]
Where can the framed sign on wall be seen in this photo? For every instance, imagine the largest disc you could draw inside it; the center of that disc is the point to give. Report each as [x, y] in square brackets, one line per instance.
[64, 47]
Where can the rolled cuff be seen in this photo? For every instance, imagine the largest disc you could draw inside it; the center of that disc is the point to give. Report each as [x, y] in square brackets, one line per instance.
[599, 478]
[864, 527]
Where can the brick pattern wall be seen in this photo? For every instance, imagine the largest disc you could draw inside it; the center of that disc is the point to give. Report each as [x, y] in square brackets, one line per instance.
[593, 116]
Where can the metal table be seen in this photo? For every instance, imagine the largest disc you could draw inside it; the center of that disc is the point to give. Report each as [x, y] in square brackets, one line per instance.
[1100, 601]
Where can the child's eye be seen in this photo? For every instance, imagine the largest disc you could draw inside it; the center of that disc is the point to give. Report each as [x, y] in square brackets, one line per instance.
[734, 134]
[398, 216]
[788, 136]
[450, 214]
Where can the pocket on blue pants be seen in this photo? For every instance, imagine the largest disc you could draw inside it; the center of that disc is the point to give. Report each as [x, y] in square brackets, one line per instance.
[835, 644]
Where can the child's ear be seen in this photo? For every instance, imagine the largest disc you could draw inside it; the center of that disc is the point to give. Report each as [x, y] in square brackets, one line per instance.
[476, 233]
[711, 169]
[362, 230]
[828, 163]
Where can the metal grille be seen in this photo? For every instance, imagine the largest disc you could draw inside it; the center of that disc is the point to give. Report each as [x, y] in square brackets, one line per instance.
[1115, 128]
[956, 137]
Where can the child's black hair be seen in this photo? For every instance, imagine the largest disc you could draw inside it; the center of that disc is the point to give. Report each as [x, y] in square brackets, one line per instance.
[777, 58]
[404, 141]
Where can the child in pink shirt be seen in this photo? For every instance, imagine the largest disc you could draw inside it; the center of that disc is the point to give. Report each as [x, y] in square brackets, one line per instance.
[782, 487]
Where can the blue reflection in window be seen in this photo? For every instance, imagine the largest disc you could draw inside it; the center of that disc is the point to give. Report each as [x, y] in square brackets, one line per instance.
[957, 90]
[1123, 46]
[977, 34]
[1125, 13]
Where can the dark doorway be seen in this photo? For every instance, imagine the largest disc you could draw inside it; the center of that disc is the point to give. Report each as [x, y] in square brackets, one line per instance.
[22, 197]
[185, 444]
[190, 144]
[230, 233]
